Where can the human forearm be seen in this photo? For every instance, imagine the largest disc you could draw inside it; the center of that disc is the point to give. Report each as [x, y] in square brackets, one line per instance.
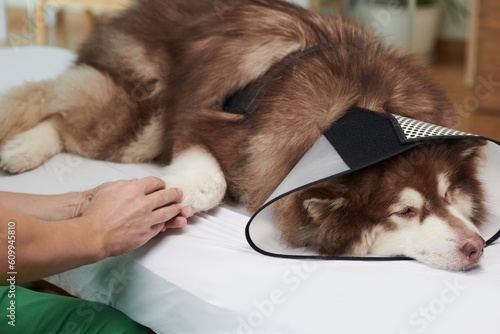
[122, 216]
[46, 207]
[46, 248]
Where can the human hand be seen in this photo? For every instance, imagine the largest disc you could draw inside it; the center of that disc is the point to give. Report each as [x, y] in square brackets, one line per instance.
[85, 197]
[124, 215]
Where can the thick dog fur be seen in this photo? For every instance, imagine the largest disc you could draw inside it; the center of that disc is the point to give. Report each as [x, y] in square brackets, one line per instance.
[150, 86]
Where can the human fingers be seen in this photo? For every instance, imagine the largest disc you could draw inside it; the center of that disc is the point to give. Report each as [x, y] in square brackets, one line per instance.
[179, 220]
[164, 197]
[186, 212]
[175, 222]
[155, 229]
[165, 213]
[151, 184]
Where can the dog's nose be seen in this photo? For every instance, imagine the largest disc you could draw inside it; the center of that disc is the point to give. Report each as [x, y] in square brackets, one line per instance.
[473, 248]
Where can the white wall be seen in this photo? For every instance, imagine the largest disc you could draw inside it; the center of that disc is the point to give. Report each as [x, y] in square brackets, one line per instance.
[17, 3]
[303, 3]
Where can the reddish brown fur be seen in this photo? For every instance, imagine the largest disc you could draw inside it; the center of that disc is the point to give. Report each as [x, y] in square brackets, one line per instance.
[354, 203]
[182, 59]
[202, 54]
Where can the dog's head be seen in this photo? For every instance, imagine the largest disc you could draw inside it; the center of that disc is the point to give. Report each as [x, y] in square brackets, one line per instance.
[425, 203]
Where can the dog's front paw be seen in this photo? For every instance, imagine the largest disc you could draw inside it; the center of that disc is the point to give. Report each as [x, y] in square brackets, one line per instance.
[30, 149]
[198, 175]
[202, 193]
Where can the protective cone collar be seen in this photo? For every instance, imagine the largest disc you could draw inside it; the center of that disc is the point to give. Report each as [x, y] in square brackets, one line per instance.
[358, 140]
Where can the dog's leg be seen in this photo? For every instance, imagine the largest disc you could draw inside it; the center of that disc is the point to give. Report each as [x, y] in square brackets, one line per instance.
[199, 176]
[23, 107]
[26, 141]
[85, 112]
[31, 148]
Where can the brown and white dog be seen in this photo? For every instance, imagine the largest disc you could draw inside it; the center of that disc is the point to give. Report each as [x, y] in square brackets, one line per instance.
[150, 87]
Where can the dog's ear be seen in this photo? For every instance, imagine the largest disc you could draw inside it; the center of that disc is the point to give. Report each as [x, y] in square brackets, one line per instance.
[470, 148]
[318, 207]
[335, 226]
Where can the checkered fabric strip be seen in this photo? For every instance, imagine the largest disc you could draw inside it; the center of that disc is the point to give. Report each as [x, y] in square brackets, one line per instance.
[413, 129]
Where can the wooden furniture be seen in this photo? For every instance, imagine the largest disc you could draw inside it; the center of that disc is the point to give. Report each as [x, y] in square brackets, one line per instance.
[483, 55]
[315, 4]
[3, 22]
[87, 4]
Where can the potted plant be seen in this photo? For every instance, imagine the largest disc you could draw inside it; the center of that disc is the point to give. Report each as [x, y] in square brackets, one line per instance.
[411, 24]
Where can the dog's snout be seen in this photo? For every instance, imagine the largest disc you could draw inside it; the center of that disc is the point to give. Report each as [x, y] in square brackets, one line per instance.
[473, 248]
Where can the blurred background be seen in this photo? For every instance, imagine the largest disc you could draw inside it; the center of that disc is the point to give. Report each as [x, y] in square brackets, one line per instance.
[456, 38]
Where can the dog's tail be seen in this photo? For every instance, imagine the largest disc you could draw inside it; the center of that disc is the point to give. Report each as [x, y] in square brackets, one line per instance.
[23, 107]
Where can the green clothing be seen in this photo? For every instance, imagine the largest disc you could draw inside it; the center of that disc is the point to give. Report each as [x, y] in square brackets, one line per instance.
[36, 312]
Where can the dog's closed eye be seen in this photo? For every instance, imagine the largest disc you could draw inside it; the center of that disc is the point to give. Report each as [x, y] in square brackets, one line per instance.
[407, 212]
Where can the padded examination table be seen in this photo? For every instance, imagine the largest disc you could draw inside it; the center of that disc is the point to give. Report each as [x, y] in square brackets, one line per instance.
[205, 278]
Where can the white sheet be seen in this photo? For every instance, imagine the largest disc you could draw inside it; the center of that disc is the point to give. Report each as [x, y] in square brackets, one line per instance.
[206, 279]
